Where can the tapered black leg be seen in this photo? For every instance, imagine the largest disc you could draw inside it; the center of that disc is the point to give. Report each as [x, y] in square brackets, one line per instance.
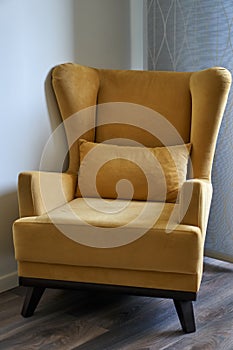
[31, 300]
[186, 316]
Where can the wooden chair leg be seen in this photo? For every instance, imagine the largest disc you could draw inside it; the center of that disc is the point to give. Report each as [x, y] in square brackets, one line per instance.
[31, 300]
[185, 313]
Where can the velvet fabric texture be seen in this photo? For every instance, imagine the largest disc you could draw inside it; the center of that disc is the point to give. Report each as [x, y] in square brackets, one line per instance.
[193, 103]
[164, 169]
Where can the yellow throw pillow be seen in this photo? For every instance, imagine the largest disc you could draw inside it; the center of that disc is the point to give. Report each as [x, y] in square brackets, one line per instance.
[126, 172]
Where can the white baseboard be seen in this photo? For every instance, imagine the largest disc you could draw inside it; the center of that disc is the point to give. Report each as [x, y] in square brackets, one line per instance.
[8, 281]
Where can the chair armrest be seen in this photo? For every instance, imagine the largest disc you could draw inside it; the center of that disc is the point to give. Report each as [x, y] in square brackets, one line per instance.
[40, 192]
[195, 200]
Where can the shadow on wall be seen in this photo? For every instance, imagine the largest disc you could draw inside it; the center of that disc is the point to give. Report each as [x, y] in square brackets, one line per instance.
[9, 213]
[59, 139]
[9, 202]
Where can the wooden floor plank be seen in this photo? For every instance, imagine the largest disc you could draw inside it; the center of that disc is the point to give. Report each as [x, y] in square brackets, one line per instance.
[130, 330]
[214, 335]
[57, 333]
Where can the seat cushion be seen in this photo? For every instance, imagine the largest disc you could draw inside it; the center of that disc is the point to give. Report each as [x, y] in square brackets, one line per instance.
[71, 234]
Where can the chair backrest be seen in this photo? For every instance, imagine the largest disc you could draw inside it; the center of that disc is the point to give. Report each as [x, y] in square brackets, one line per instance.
[193, 102]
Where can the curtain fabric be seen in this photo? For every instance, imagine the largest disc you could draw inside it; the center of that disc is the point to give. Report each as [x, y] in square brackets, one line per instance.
[189, 35]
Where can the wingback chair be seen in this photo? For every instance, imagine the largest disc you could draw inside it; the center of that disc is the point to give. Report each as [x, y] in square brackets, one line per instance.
[147, 140]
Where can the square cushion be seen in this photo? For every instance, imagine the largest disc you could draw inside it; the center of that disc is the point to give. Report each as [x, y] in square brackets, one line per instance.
[127, 172]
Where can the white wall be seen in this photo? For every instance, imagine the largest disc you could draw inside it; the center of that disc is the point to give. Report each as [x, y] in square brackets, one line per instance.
[138, 34]
[102, 33]
[36, 35]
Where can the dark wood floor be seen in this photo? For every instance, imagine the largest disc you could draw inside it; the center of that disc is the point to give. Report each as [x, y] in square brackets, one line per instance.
[85, 321]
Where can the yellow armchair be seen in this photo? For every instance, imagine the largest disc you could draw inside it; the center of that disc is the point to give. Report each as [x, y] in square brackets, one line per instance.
[89, 227]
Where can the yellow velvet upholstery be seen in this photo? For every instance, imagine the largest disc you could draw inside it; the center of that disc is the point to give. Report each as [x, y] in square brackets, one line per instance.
[122, 162]
[175, 251]
[163, 258]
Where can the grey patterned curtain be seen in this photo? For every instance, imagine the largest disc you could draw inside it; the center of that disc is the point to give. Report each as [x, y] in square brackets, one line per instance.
[186, 35]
